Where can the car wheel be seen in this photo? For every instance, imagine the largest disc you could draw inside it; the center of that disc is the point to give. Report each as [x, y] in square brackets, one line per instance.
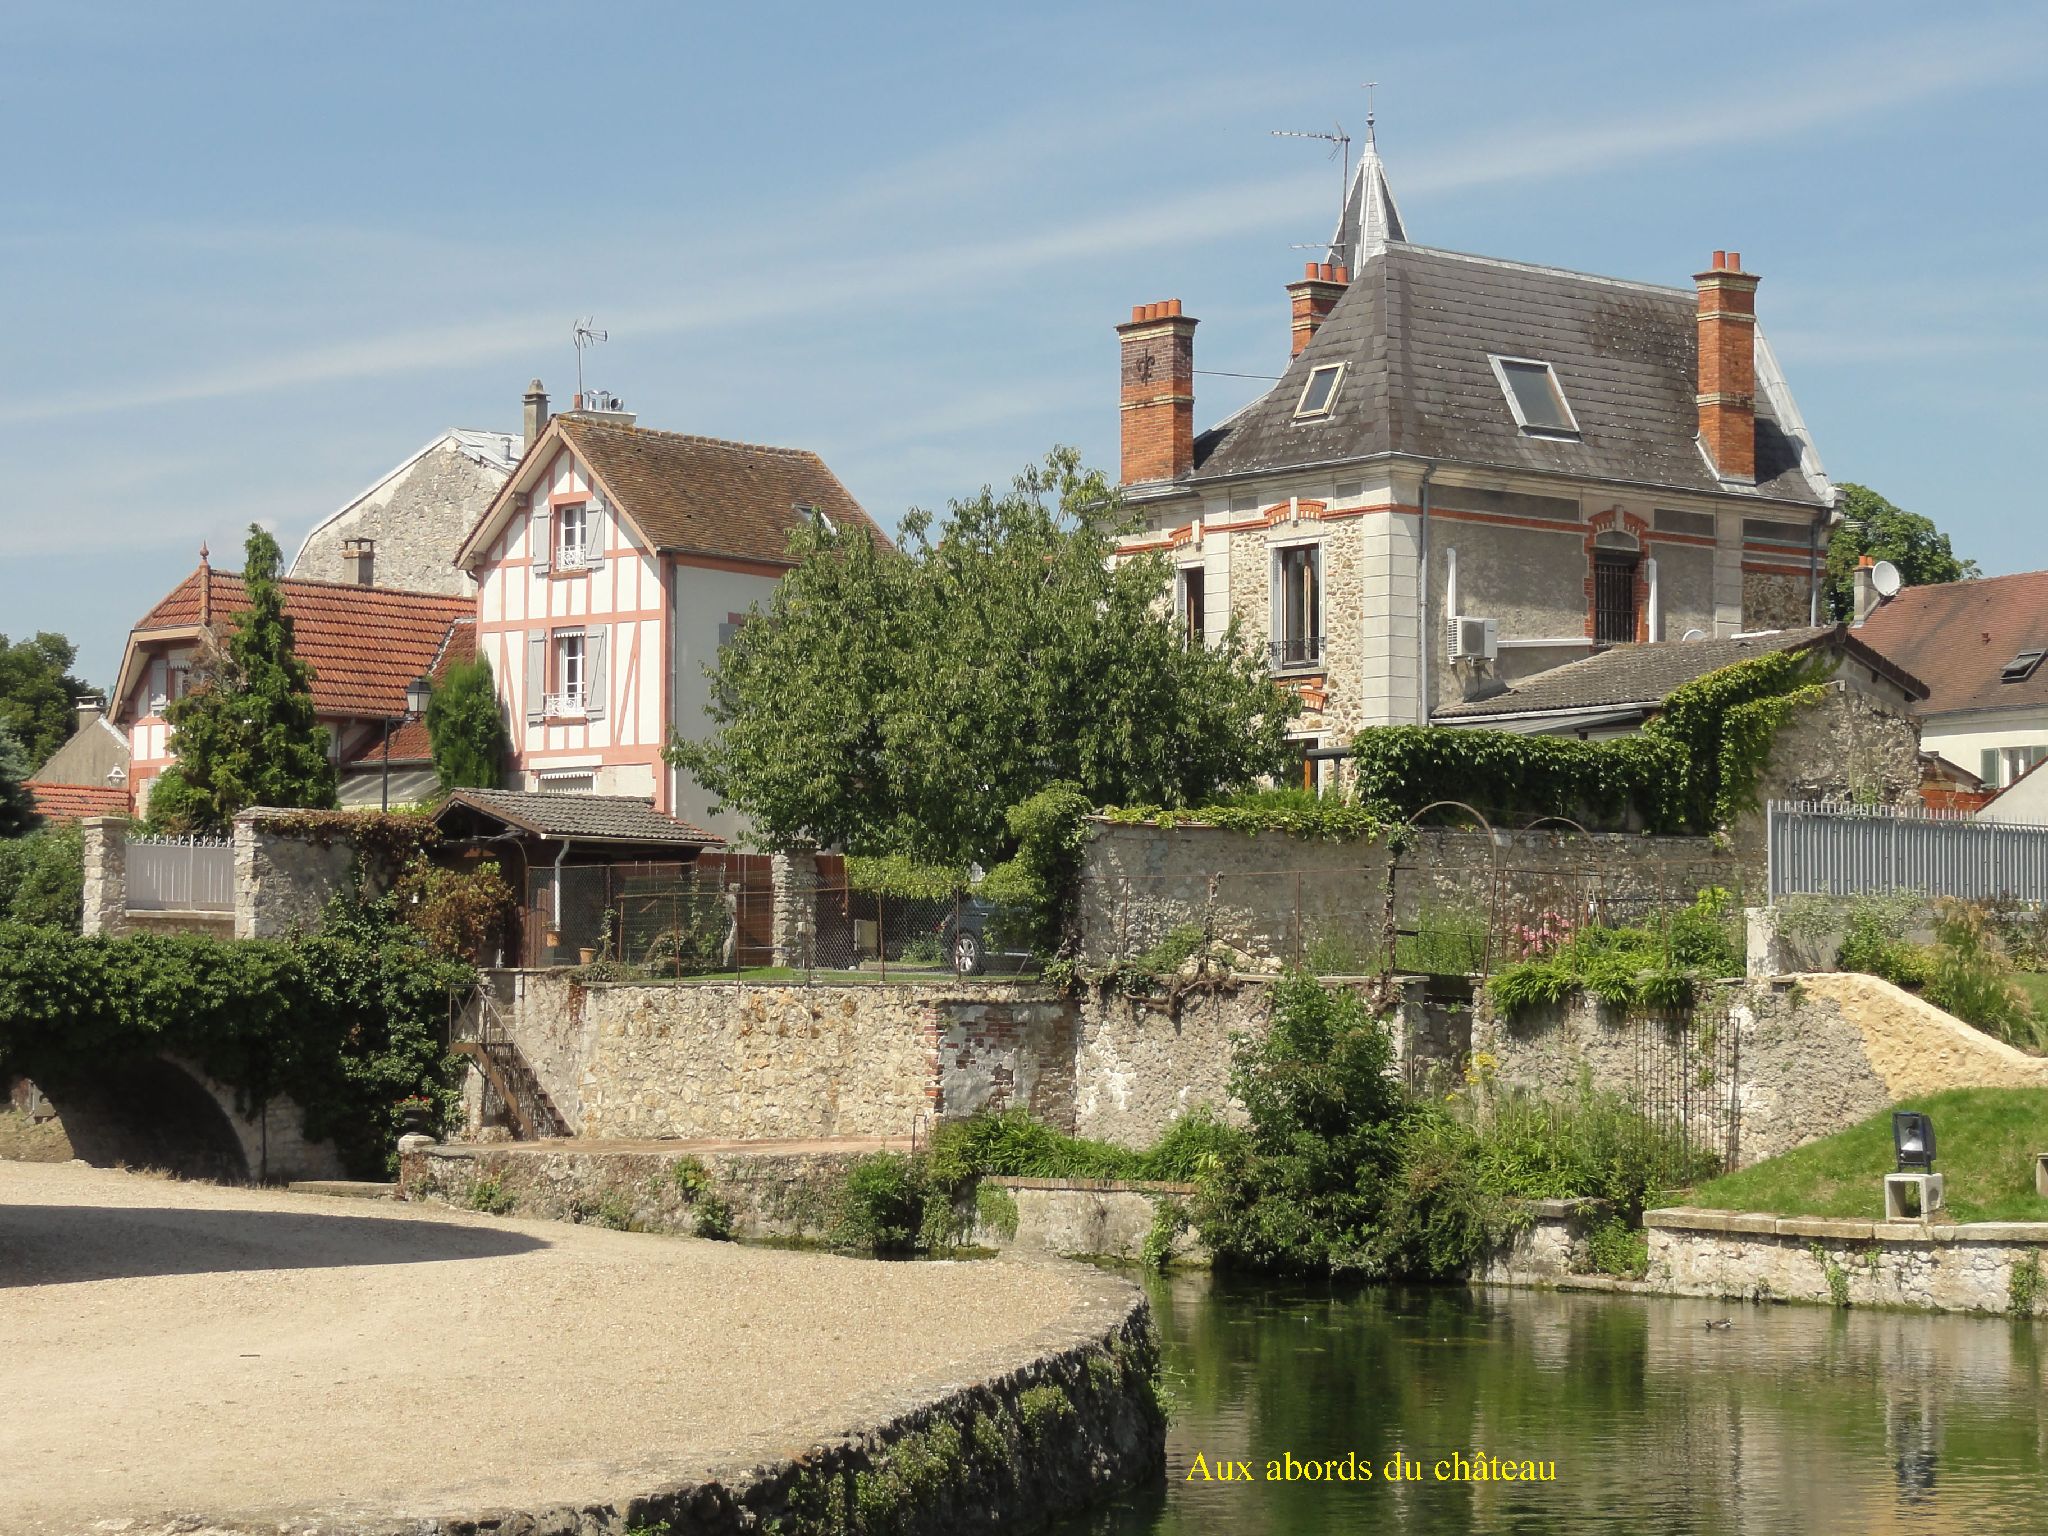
[967, 956]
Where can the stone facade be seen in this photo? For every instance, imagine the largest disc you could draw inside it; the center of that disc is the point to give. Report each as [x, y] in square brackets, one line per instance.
[104, 845]
[283, 884]
[795, 882]
[1759, 1257]
[418, 516]
[1554, 1246]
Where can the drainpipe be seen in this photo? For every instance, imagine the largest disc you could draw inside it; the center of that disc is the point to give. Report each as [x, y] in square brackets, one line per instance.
[1422, 605]
[563, 854]
[1813, 571]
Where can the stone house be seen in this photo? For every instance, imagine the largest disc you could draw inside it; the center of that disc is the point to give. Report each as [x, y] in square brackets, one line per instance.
[88, 775]
[1474, 470]
[403, 531]
[609, 569]
[1980, 647]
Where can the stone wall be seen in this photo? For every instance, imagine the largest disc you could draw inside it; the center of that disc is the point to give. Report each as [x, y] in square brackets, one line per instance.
[1760, 1257]
[1273, 896]
[1554, 1246]
[104, 846]
[283, 884]
[1080, 1218]
[418, 518]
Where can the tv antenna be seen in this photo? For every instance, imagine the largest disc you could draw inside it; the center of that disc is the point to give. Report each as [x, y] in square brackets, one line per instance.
[586, 335]
[1340, 150]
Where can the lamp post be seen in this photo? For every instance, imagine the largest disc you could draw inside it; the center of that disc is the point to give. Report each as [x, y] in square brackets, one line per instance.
[417, 693]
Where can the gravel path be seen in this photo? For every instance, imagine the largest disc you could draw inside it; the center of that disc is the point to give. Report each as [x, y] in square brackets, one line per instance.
[170, 1348]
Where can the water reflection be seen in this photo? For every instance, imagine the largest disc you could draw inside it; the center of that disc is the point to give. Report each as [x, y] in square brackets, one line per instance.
[1789, 1419]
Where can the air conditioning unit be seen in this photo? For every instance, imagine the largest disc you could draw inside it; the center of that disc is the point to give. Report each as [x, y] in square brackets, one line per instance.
[1475, 638]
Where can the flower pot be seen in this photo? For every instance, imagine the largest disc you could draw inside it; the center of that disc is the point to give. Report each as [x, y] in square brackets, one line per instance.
[554, 939]
[417, 1122]
[586, 955]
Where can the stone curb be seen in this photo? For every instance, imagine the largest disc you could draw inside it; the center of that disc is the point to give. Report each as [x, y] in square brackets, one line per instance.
[1093, 1186]
[1761, 1224]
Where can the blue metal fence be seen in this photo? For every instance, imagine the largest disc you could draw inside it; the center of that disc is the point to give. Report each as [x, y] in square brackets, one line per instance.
[1846, 850]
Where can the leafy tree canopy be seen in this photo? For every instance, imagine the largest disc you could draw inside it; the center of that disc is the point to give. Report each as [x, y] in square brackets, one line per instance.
[1872, 526]
[247, 736]
[17, 806]
[42, 877]
[466, 728]
[37, 693]
[901, 702]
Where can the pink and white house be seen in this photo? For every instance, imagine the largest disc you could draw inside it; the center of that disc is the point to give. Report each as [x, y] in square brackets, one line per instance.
[608, 570]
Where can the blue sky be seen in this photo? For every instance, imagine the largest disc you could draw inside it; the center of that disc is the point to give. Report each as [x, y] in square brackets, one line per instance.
[253, 255]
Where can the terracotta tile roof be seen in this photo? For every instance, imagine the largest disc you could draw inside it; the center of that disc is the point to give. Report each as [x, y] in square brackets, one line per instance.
[700, 495]
[409, 743]
[1958, 636]
[364, 644]
[69, 802]
[583, 818]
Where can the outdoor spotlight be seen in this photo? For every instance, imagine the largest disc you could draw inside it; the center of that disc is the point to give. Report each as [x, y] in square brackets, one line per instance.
[1913, 1139]
[417, 692]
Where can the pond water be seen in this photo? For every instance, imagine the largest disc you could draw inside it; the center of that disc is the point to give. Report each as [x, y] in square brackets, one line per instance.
[1788, 1419]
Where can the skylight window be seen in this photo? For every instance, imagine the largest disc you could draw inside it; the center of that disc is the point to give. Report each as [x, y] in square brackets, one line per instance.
[1535, 396]
[1320, 392]
[2021, 667]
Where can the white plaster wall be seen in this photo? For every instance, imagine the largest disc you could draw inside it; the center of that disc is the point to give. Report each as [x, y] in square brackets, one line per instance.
[1964, 738]
[704, 599]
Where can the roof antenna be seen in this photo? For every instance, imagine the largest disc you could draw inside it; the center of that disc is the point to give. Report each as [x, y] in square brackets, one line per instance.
[585, 334]
[1340, 147]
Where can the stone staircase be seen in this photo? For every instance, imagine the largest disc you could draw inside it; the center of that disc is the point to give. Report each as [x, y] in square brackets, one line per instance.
[511, 1091]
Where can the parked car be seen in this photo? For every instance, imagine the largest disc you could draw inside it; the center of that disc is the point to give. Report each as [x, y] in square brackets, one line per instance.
[984, 933]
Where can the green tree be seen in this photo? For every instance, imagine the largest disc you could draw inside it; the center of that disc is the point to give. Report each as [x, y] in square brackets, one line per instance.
[38, 693]
[466, 728]
[17, 806]
[901, 703]
[42, 877]
[1872, 526]
[248, 735]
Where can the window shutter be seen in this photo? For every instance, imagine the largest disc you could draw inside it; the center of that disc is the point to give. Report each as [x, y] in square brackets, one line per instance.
[593, 672]
[542, 539]
[536, 677]
[593, 530]
[1987, 766]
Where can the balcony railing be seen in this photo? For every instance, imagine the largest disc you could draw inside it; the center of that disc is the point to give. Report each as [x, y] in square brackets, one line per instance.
[564, 706]
[1296, 652]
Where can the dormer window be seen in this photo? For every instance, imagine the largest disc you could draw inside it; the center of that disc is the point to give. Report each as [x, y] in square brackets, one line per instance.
[2021, 667]
[1535, 396]
[1319, 394]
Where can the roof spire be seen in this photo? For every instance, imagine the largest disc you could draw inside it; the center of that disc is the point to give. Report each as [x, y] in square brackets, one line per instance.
[1370, 218]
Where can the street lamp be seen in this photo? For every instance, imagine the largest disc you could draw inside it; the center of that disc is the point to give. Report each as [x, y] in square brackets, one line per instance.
[1913, 1140]
[417, 693]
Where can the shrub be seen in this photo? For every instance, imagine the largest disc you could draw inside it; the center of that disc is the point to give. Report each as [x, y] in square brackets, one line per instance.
[690, 1177]
[1970, 976]
[712, 1218]
[42, 877]
[881, 1205]
[464, 916]
[489, 1195]
[1616, 1248]
[1658, 964]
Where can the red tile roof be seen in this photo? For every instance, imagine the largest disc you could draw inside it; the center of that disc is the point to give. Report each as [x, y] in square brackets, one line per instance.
[409, 743]
[364, 644]
[69, 802]
[1958, 636]
[701, 495]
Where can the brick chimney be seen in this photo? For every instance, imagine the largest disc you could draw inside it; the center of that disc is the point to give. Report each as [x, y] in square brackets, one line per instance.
[1158, 393]
[536, 411]
[1727, 384]
[359, 559]
[1321, 285]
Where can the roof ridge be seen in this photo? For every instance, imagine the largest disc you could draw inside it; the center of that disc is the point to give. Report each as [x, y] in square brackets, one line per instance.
[357, 587]
[1550, 271]
[687, 437]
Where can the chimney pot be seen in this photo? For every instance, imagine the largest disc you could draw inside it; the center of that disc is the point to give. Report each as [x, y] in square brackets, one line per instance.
[1863, 589]
[1720, 260]
[359, 556]
[1735, 261]
[536, 412]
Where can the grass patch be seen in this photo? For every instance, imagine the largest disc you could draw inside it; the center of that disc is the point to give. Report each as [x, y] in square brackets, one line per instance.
[1987, 1138]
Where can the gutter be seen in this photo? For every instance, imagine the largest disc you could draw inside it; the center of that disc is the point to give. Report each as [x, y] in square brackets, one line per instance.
[1423, 694]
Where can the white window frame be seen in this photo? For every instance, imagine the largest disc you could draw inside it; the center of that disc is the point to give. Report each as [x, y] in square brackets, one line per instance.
[1301, 410]
[1501, 365]
[565, 700]
[573, 556]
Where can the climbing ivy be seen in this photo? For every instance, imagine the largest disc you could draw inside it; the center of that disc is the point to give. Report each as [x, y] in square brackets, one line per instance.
[1323, 818]
[346, 1024]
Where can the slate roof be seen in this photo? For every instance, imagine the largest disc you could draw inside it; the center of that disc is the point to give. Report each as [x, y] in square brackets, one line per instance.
[1643, 676]
[364, 644]
[580, 818]
[705, 496]
[1959, 635]
[1416, 328]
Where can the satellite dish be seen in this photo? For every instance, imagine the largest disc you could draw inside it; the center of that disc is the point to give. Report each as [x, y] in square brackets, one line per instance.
[1694, 634]
[1885, 577]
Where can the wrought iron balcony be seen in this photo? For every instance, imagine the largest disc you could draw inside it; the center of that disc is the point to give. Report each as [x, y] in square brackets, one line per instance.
[1296, 653]
[564, 706]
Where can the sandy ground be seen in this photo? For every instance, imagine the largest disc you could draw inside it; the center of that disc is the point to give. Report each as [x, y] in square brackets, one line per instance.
[170, 1348]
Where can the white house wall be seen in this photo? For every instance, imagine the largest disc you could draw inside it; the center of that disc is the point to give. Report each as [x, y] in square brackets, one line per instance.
[622, 598]
[707, 598]
[1964, 738]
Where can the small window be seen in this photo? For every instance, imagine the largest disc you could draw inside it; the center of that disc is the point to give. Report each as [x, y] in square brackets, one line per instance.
[1191, 603]
[1320, 392]
[571, 681]
[1297, 608]
[572, 536]
[1534, 395]
[2021, 667]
